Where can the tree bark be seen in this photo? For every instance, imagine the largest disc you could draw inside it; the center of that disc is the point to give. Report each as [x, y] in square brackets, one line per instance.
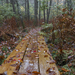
[13, 2]
[20, 16]
[25, 8]
[39, 10]
[44, 10]
[7, 1]
[65, 3]
[35, 11]
[28, 17]
[17, 6]
[44, 15]
[49, 10]
[57, 6]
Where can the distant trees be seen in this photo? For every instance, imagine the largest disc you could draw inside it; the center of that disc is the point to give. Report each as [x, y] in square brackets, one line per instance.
[39, 9]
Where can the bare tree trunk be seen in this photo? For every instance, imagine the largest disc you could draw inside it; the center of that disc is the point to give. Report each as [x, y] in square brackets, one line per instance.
[21, 18]
[69, 4]
[44, 15]
[35, 11]
[44, 11]
[39, 11]
[65, 3]
[2, 2]
[7, 1]
[25, 8]
[49, 10]
[28, 17]
[57, 6]
[17, 6]
[13, 2]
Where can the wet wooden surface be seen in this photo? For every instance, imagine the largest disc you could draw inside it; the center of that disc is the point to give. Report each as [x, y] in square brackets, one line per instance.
[15, 57]
[30, 57]
[30, 62]
[46, 61]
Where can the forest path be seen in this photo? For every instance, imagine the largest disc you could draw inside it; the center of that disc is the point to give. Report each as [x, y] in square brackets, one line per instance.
[30, 57]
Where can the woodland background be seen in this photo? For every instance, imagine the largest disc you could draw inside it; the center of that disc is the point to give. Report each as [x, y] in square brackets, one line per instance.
[55, 17]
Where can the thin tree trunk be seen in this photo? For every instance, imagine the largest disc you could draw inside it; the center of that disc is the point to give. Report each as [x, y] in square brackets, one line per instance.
[35, 11]
[57, 6]
[28, 17]
[69, 4]
[49, 10]
[44, 15]
[13, 2]
[7, 1]
[25, 8]
[17, 6]
[39, 11]
[2, 2]
[21, 18]
[44, 11]
[65, 3]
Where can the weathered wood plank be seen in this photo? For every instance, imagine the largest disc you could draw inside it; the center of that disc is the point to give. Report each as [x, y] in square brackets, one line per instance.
[14, 57]
[46, 62]
[30, 63]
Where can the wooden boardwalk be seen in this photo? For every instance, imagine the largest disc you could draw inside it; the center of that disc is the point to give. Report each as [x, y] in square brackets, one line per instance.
[30, 57]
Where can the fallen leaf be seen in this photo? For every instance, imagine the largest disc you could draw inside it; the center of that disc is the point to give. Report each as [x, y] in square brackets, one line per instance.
[65, 70]
[15, 72]
[70, 64]
[35, 72]
[34, 51]
[2, 57]
[52, 61]
[18, 55]
[21, 61]
[50, 71]
[17, 67]
[45, 55]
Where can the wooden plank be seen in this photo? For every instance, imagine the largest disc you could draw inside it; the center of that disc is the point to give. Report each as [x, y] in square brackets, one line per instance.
[14, 57]
[46, 62]
[30, 63]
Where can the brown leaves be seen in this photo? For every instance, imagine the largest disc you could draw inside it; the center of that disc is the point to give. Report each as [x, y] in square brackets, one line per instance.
[51, 61]
[70, 64]
[2, 57]
[17, 67]
[35, 73]
[45, 55]
[17, 73]
[65, 70]
[50, 71]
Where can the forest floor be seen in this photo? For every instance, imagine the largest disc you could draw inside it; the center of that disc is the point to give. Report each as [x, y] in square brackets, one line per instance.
[10, 37]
